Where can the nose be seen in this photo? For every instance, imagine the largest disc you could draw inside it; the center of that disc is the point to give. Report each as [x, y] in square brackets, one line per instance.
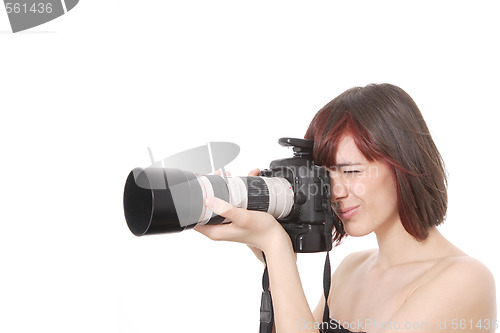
[339, 189]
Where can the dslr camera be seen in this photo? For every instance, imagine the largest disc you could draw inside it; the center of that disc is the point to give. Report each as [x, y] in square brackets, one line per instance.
[294, 190]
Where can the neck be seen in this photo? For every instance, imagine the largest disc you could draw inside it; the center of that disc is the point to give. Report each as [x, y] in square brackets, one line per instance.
[397, 246]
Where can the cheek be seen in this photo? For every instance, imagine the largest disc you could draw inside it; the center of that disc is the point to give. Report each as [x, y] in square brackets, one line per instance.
[382, 195]
[379, 193]
[360, 187]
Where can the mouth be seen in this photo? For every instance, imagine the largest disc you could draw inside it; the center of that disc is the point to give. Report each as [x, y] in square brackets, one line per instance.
[349, 212]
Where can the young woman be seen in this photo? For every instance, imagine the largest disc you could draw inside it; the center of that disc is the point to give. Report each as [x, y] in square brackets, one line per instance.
[387, 177]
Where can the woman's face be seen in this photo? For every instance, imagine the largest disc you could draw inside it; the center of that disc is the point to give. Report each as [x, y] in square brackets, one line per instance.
[363, 192]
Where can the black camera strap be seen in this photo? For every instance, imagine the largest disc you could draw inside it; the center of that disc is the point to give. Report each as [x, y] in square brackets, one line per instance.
[266, 303]
[326, 287]
[330, 224]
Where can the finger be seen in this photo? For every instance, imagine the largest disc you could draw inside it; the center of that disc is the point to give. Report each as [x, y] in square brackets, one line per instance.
[254, 172]
[214, 232]
[225, 209]
[219, 173]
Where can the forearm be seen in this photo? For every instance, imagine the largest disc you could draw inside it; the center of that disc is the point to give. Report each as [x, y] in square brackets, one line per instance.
[291, 310]
[261, 230]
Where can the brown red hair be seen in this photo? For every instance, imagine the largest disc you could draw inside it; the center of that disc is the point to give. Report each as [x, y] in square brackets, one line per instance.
[387, 125]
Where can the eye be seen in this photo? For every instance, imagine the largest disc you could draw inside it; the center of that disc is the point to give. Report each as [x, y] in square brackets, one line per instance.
[352, 171]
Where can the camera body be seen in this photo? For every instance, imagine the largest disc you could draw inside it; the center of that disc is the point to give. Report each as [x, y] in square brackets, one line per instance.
[311, 220]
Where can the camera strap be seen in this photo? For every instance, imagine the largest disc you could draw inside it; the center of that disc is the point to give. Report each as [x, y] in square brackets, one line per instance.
[326, 287]
[330, 223]
[266, 303]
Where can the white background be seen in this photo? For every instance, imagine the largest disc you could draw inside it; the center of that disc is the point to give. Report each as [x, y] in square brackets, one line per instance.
[82, 97]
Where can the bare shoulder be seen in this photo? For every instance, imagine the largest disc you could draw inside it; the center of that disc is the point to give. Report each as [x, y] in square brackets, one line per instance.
[461, 289]
[463, 274]
[467, 269]
[457, 295]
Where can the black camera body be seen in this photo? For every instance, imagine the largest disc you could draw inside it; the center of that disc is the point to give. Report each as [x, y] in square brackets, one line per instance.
[311, 220]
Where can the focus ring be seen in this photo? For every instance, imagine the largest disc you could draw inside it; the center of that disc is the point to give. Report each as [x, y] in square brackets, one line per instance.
[220, 191]
[258, 194]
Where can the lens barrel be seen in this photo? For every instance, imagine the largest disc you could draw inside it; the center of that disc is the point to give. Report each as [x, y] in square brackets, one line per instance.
[162, 200]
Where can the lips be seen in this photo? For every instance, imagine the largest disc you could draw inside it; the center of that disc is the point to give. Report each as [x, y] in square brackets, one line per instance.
[348, 212]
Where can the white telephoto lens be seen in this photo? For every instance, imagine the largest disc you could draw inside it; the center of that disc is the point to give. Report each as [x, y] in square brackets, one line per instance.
[280, 196]
[238, 193]
[207, 191]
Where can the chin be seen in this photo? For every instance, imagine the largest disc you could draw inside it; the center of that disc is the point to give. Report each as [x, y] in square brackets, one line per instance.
[356, 229]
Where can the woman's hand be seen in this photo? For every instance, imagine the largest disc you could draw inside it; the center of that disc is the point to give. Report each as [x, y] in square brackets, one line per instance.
[256, 251]
[259, 230]
[254, 228]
